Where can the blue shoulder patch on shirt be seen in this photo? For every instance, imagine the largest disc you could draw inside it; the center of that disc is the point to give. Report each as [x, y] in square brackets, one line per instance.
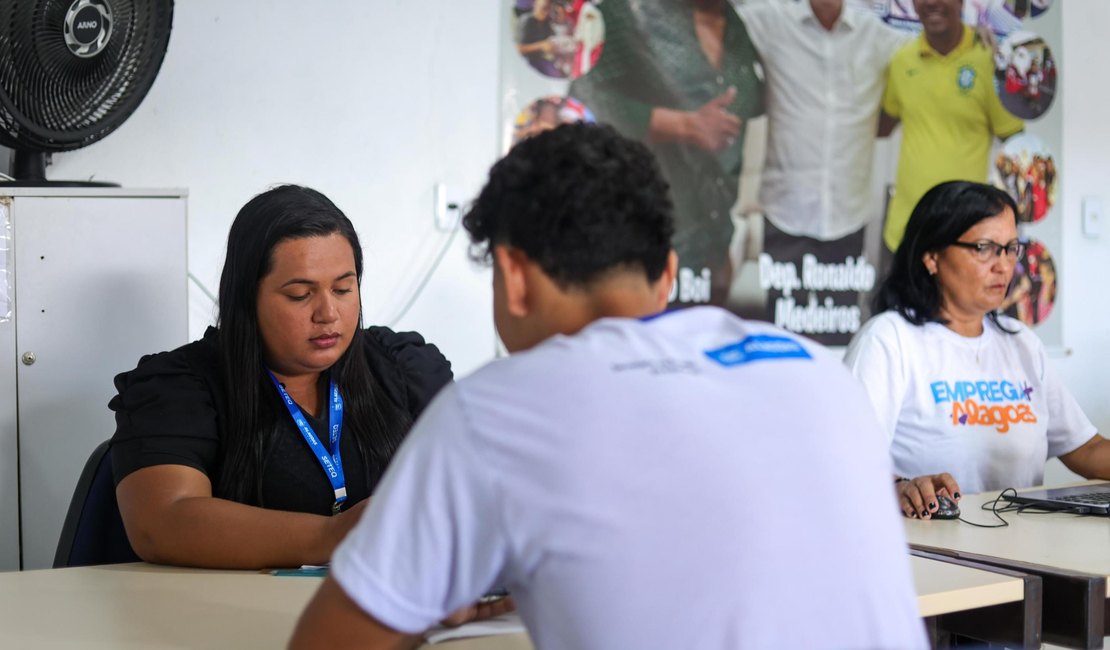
[759, 347]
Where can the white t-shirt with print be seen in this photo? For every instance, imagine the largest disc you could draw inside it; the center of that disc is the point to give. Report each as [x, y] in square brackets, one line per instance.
[661, 483]
[986, 409]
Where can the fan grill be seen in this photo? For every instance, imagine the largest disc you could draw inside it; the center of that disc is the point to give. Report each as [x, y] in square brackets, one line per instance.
[54, 100]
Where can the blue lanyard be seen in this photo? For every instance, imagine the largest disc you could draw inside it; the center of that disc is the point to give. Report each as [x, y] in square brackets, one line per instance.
[329, 458]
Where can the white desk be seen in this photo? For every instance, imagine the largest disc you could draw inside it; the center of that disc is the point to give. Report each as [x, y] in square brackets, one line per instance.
[990, 604]
[140, 606]
[943, 588]
[136, 606]
[1070, 553]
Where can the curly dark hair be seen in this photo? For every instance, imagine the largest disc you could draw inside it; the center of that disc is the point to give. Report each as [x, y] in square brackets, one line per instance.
[938, 220]
[580, 200]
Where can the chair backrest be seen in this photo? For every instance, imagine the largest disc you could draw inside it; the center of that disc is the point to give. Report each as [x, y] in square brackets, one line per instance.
[93, 530]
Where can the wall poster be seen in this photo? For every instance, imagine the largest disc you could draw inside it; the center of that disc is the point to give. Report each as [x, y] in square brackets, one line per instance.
[796, 143]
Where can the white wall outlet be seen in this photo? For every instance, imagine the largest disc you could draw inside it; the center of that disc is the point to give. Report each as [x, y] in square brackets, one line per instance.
[448, 207]
[1092, 216]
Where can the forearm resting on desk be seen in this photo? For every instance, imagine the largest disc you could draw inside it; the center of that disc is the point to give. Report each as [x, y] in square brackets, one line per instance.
[333, 621]
[171, 517]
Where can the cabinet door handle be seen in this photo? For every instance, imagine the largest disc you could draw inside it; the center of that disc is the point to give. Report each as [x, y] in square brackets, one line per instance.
[28, 358]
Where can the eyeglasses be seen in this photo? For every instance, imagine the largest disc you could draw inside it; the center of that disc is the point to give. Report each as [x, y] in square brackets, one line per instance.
[986, 249]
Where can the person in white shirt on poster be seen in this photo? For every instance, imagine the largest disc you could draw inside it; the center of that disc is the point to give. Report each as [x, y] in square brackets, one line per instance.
[825, 65]
[965, 395]
[630, 476]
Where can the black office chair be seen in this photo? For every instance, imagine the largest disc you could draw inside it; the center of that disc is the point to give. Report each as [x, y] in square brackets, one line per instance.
[93, 530]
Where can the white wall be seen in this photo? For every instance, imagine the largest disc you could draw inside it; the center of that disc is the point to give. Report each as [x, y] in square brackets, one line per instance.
[1084, 171]
[369, 101]
[373, 101]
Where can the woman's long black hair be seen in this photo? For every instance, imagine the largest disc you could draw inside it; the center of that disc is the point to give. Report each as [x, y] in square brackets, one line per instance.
[938, 220]
[377, 424]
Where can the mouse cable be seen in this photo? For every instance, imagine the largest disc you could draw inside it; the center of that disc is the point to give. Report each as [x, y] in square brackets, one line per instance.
[995, 510]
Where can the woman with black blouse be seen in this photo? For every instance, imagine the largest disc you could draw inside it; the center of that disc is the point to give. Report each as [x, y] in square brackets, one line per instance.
[258, 445]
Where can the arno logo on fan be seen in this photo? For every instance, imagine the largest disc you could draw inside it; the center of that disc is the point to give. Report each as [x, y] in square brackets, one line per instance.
[71, 75]
[88, 27]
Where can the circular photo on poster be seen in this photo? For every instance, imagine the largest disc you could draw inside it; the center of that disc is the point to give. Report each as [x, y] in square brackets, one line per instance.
[1027, 8]
[993, 14]
[1025, 168]
[561, 39]
[1032, 292]
[1025, 72]
[1038, 7]
[547, 113]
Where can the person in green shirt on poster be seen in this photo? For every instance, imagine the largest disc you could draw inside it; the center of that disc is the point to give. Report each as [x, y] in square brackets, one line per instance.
[941, 87]
[680, 75]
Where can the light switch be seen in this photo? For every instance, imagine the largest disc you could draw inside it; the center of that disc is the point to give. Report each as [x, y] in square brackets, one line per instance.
[1092, 217]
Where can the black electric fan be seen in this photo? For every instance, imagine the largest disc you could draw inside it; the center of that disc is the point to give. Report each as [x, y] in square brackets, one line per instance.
[71, 72]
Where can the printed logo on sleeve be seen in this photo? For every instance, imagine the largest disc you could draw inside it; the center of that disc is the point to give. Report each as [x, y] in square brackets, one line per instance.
[1000, 404]
[758, 347]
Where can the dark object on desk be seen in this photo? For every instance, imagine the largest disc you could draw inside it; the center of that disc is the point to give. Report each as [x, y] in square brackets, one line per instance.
[74, 71]
[303, 572]
[93, 530]
[493, 595]
[946, 508]
[1083, 499]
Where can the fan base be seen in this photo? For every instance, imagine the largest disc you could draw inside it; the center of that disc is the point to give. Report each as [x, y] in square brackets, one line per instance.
[29, 170]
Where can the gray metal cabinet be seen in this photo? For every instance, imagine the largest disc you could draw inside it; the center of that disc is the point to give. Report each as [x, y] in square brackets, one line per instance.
[94, 279]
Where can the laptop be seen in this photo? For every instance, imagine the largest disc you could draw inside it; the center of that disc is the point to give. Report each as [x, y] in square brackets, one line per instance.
[1083, 499]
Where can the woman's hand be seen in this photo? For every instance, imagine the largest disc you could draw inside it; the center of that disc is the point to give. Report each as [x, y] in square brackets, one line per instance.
[480, 611]
[917, 497]
[339, 525]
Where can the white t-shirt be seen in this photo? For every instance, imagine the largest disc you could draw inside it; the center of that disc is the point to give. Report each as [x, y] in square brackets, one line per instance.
[823, 94]
[687, 481]
[988, 410]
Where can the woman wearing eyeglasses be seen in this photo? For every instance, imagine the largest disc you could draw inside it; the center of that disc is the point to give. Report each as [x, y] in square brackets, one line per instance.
[965, 394]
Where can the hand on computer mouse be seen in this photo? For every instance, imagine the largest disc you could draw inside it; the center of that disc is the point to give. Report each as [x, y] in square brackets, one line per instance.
[946, 509]
[917, 497]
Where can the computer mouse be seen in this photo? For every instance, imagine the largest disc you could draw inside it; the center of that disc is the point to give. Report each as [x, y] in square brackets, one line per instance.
[946, 508]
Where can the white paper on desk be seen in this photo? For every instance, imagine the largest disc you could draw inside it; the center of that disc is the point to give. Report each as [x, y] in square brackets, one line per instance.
[504, 624]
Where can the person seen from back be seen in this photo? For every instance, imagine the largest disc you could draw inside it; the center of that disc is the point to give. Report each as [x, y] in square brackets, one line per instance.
[630, 476]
